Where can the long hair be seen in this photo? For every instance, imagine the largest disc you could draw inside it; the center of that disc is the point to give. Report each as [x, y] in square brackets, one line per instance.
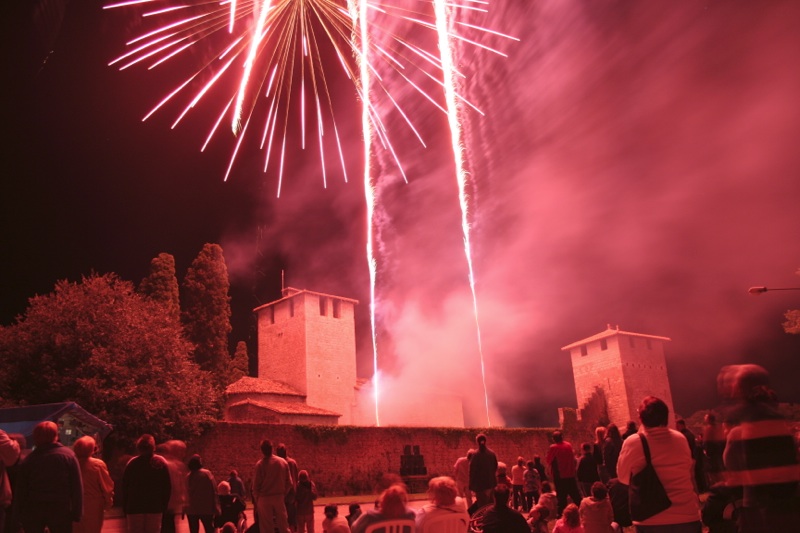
[572, 516]
[392, 502]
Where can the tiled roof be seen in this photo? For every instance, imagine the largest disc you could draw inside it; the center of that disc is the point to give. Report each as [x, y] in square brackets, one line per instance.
[287, 408]
[260, 385]
[610, 332]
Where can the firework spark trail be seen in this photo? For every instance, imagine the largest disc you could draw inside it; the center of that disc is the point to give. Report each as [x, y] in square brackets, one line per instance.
[445, 52]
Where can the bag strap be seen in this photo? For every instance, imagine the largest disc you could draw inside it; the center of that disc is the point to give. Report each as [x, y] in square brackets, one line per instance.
[645, 448]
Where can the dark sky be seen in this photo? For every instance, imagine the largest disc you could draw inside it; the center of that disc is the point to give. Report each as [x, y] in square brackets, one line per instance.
[637, 165]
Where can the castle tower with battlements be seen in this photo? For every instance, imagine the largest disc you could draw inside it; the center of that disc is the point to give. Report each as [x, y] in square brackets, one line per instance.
[626, 366]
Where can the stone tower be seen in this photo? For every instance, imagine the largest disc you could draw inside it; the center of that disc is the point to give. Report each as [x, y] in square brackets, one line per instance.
[307, 341]
[626, 366]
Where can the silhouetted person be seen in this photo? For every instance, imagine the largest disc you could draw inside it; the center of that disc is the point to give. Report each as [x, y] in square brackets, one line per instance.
[532, 485]
[146, 488]
[201, 489]
[760, 455]
[561, 458]
[174, 452]
[630, 429]
[501, 518]
[306, 494]
[611, 447]
[482, 472]
[272, 483]
[291, 505]
[713, 447]
[9, 455]
[587, 472]
[49, 492]
[672, 461]
[237, 485]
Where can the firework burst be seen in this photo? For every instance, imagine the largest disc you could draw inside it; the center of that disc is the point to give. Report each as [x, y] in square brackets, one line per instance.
[275, 59]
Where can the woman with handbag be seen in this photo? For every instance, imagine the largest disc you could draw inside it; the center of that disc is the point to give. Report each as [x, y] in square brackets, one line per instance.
[656, 464]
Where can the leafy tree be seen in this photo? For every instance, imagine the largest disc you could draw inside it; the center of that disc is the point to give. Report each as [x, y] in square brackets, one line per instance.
[121, 356]
[161, 284]
[206, 312]
[240, 365]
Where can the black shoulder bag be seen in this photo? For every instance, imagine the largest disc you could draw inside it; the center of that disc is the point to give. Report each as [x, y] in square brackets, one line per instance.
[646, 495]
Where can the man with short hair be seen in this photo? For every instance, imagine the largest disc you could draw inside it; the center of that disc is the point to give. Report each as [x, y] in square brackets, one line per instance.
[461, 471]
[272, 482]
[291, 504]
[561, 458]
[482, 472]
[146, 488]
[49, 489]
[501, 518]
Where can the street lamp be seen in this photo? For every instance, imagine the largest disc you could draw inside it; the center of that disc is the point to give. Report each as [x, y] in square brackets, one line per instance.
[760, 290]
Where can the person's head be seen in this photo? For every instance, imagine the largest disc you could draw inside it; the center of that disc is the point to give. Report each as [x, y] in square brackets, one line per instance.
[653, 412]
[500, 494]
[280, 450]
[146, 445]
[531, 466]
[470, 454]
[599, 434]
[558, 438]
[680, 424]
[520, 461]
[228, 527]
[612, 432]
[354, 509]
[223, 488]
[393, 500]
[480, 440]
[331, 511]
[84, 447]
[742, 382]
[45, 433]
[539, 512]
[501, 469]
[195, 463]
[266, 447]
[571, 515]
[586, 447]
[537, 460]
[546, 487]
[302, 475]
[234, 473]
[442, 491]
[599, 491]
[630, 427]
[176, 449]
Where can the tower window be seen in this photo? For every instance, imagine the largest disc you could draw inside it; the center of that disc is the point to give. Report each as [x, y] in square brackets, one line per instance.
[603, 344]
[337, 308]
[584, 351]
[323, 306]
[271, 312]
[291, 307]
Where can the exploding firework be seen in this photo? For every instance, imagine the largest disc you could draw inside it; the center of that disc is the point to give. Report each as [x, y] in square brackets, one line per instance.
[273, 61]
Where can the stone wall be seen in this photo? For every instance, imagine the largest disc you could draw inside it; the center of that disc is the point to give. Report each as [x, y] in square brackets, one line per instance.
[344, 460]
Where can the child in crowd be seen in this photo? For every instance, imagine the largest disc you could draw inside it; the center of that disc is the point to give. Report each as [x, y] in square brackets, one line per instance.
[537, 519]
[304, 500]
[231, 505]
[532, 485]
[333, 523]
[549, 500]
[355, 512]
[570, 521]
[597, 515]
[587, 470]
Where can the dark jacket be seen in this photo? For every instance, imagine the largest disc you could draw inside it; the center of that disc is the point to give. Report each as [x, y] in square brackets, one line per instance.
[503, 519]
[305, 496]
[483, 470]
[146, 485]
[49, 477]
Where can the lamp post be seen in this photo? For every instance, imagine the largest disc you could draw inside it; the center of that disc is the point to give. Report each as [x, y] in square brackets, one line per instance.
[760, 290]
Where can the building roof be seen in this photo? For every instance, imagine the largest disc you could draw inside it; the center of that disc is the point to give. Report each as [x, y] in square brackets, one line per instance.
[610, 332]
[286, 408]
[290, 292]
[248, 385]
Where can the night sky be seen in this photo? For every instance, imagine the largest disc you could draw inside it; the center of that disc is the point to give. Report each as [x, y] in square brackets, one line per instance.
[637, 166]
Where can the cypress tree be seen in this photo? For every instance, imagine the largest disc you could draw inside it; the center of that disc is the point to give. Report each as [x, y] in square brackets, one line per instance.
[161, 284]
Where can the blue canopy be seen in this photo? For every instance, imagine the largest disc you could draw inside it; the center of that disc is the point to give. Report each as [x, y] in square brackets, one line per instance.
[74, 421]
